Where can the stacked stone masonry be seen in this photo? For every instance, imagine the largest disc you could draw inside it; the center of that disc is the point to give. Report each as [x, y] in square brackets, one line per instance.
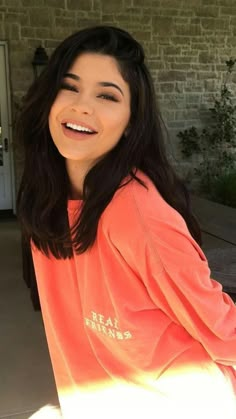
[186, 43]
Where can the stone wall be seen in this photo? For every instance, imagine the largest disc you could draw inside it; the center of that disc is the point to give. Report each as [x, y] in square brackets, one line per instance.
[186, 41]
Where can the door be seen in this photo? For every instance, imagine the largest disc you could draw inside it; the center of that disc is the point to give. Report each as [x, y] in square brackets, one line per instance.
[6, 189]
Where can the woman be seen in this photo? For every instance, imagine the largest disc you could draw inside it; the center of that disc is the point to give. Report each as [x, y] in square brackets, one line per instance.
[134, 323]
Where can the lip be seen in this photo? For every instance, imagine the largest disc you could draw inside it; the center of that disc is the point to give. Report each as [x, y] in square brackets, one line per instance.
[76, 122]
[77, 136]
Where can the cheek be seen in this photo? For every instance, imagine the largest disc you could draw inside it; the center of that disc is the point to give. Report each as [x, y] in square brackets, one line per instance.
[118, 123]
[52, 118]
[51, 125]
[56, 108]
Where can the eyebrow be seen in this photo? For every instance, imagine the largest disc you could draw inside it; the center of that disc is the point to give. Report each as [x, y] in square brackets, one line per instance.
[101, 83]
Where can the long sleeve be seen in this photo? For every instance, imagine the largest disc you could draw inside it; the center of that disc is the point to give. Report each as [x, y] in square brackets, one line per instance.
[155, 242]
[136, 322]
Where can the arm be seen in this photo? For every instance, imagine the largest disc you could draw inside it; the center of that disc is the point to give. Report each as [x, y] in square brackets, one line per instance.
[155, 241]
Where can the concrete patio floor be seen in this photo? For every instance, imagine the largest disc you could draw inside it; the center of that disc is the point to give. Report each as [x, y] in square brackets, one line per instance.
[26, 378]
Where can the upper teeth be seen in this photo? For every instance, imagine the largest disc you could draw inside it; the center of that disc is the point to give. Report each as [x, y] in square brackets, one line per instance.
[78, 127]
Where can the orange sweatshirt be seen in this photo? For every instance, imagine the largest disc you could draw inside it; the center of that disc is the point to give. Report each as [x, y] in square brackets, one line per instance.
[136, 322]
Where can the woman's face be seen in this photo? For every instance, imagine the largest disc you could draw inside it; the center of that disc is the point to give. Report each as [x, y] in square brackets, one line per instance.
[91, 110]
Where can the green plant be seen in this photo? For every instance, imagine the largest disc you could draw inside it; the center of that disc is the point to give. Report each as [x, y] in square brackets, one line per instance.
[216, 143]
[224, 189]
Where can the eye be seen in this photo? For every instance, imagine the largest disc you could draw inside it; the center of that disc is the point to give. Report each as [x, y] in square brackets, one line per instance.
[107, 96]
[67, 86]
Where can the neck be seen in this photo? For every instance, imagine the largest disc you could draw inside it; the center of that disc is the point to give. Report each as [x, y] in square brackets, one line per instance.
[76, 173]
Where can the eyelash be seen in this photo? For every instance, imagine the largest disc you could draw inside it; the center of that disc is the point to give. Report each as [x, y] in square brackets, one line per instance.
[72, 88]
[108, 97]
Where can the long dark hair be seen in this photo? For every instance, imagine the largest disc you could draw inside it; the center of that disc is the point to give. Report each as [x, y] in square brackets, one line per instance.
[44, 189]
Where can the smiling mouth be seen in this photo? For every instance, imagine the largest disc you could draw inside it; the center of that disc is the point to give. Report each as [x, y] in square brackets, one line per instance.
[78, 129]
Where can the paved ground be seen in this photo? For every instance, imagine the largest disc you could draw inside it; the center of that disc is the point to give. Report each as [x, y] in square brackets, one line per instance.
[26, 379]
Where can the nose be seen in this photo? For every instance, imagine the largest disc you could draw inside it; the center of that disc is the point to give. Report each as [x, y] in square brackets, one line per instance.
[83, 105]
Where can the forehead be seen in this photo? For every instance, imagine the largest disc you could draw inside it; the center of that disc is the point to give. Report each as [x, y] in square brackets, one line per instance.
[97, 66]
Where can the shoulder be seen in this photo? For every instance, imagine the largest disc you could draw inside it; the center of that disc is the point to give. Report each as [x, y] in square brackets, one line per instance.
[135, 207]
[139, 220]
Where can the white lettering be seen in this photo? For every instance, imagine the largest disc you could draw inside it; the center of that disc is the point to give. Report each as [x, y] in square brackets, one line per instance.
[107, 326]
[94, 316]
[109, 322]
[111, 333]
[101, 318]
[104, 330]
[127, 335]
[93, 325]
[116, 324]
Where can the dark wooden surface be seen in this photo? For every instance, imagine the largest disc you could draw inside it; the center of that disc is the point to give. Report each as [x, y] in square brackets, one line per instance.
[216, 219]
[218, 224]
